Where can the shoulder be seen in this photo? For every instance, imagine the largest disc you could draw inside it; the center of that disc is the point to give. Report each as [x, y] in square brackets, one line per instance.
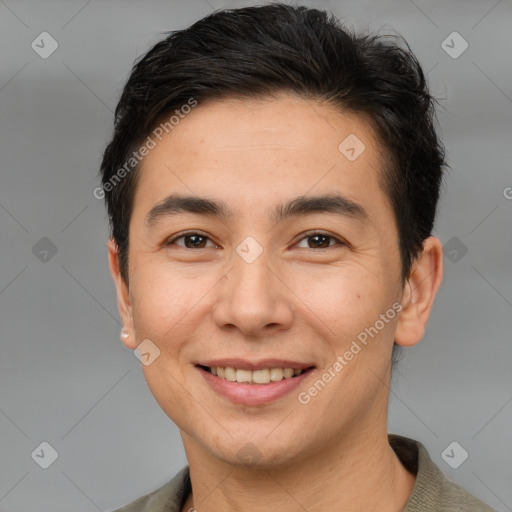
[168, 498]
[432, 491]
[455, 498]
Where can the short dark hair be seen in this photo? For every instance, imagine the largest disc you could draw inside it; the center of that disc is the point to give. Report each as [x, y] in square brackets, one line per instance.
[260, 51]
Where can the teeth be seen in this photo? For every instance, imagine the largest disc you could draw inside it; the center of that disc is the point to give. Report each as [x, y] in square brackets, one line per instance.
[230, 374]
[263, 376]
[243, 376]
[276, 374]
[288, 372]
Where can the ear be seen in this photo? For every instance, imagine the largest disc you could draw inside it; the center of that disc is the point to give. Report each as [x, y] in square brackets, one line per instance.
[123, 294]
[419, 293]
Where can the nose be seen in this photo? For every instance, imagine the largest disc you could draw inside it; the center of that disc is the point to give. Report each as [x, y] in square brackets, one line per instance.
[253, 299]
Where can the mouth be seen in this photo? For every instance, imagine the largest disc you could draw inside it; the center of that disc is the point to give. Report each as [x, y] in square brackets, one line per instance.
[261, 376]
[254, 385]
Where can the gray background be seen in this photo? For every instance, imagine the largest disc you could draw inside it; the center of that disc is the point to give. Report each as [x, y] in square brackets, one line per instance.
[65, 378]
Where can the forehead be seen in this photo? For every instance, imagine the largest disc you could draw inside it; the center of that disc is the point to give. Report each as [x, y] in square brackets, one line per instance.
[255, 152]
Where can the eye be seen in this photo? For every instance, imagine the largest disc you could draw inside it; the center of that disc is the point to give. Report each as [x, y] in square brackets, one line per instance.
[320, 240]
[191, 240]
[194, 240]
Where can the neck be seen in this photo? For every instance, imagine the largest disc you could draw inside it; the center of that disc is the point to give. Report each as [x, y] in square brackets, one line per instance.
[361, 473]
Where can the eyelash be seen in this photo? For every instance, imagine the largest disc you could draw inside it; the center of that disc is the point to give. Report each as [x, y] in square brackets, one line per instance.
[308, 235]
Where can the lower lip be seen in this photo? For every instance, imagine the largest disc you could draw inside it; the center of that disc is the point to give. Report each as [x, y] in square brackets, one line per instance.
[253, 394]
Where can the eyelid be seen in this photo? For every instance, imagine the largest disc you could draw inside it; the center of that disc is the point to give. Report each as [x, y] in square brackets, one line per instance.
[172, 240]
[311, 233]
[308, 234]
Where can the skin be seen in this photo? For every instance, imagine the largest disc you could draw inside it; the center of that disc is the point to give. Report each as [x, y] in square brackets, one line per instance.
[296, 300]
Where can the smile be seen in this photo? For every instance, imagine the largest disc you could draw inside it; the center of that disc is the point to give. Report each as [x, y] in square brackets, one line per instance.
[253, 387]
[260, 376]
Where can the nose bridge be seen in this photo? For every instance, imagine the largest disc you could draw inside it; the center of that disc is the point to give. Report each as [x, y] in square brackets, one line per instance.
[250, 269]
[252, 297]
[252, 277]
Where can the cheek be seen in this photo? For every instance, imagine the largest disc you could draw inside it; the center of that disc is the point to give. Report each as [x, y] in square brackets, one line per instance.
[344, 299]
[167, 299]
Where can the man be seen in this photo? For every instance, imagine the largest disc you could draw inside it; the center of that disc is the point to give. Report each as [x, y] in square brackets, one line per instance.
[272, 185]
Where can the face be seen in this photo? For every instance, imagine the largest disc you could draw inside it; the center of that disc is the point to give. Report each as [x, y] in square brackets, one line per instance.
[269, 273]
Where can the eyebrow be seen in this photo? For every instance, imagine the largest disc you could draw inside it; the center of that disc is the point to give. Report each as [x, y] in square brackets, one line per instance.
[303, 205]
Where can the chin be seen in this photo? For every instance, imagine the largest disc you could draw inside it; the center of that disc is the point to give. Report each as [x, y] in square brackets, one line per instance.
[258, 452]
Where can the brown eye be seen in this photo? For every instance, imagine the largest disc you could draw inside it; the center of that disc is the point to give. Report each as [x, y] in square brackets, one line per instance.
[319, 241]
[190, 241]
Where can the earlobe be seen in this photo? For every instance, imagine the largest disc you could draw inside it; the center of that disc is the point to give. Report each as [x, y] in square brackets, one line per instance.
[123, 295]
[419, 293]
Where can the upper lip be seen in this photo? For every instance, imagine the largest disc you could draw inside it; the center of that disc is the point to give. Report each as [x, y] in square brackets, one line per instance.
[243, 364]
